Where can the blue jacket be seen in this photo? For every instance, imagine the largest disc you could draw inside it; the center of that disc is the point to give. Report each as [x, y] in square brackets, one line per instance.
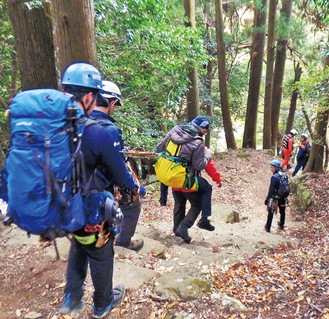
[303, 151]
[101, 146]
[274, 185]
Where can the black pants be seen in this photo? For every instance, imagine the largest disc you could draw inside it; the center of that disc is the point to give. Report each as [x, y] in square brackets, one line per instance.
[205, 191]
[282, 211]
[180, 216]
[301, 163]
[163, 194]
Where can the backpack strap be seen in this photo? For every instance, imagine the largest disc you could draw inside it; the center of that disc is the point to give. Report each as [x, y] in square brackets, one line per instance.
[172, 152]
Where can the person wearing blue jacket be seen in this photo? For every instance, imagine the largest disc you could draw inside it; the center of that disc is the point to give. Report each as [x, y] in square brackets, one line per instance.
[273, 201]
[303, 153]
[107, 101]
[83, 82]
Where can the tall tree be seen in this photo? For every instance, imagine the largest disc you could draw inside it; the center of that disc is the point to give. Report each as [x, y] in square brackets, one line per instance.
[74, 32]
[294, 97]
[227, 121]
[33, 43]
[319, 145]
[281, 53]
[210, 66]
[192, 95]
[257, 53]
[267, 132]
[49, 36]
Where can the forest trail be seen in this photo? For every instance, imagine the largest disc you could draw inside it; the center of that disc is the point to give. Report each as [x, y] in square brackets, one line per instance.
[165, 259]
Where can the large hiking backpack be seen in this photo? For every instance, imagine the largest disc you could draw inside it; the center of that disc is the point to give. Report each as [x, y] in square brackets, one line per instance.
[172, 170]
[44, 165]
[284, 188]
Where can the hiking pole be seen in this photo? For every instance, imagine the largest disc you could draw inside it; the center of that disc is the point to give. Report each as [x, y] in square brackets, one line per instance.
[72, 131]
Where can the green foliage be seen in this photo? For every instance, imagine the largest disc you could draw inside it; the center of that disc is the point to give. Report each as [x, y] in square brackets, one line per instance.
[4, 137]
[323, 7]
[7, 55]
[147, 52]
[314, 87]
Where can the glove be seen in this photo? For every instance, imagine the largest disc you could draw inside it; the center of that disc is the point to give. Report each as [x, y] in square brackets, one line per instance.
[219, 185]
[266, 201]
[142, 191]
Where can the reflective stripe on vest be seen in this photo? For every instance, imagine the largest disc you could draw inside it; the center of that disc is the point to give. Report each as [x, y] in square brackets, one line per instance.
[86, 240]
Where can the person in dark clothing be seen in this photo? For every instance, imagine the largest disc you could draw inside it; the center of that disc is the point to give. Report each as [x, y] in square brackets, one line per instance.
[83, 82]
[183, 221]
[163, 194]
[273, 201]
[107, 101]
[194, 152]
[303, 153]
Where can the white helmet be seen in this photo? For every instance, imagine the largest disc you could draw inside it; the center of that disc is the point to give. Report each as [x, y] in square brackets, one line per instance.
[293, 131]
[304, 135]
[111, 91]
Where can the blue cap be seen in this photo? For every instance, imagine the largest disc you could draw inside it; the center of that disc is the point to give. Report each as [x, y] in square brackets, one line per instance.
[275, 163]
[201, 122]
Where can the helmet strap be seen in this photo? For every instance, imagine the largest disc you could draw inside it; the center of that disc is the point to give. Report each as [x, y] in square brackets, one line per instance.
[90, 105]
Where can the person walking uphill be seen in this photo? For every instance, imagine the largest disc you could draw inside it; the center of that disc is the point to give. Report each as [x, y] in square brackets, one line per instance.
[287, 148]
[107, 100]
[303, 153]
[83, 82]
[274, 201]
[197, 156]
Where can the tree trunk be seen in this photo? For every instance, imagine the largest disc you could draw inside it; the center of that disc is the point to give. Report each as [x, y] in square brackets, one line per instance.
[192, 95]
[308, 123]
[34, 44]
[209, 75]
[267, 132]
[294, 97]
[315, 162]
[208, 86]
[257, 53]
[74, 32]
[319, 146]
[281, 52]
[228, 127]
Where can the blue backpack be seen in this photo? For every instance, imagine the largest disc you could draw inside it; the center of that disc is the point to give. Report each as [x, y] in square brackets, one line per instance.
[44, 168]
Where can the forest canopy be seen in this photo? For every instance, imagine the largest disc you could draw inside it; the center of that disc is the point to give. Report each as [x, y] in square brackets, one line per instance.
[149, 48]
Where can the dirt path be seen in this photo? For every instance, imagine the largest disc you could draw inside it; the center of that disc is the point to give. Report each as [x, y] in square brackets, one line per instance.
[165, 259]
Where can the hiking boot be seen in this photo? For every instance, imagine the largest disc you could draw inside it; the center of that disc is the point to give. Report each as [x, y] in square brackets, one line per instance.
[70, 305]
[181, 231]
[135, 244]
[118, 294]
[205, 224]
[280, 226]
[267, 229]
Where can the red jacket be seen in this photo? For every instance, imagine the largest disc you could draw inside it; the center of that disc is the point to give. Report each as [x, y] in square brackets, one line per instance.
[211, 171]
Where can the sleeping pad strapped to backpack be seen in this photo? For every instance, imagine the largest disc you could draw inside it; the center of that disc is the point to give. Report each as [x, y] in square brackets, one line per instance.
[44, 166]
